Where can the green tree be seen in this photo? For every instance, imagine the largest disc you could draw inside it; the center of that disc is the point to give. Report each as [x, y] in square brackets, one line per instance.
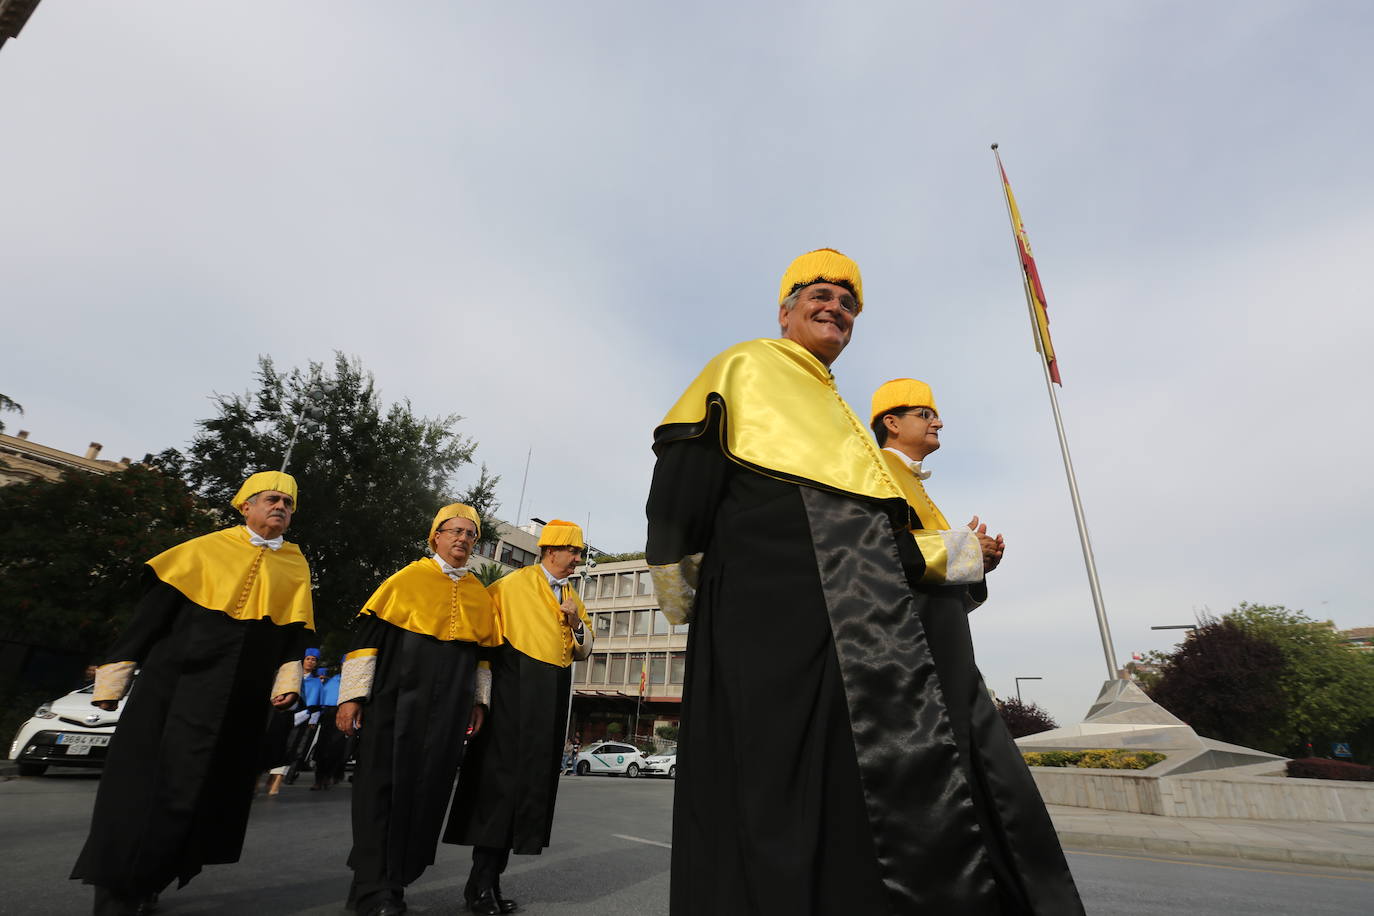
[488, 573]
[371, 478]
[1329, 689]
[6, 404]
[1221, 681]
[72, 552]
[1270, 678]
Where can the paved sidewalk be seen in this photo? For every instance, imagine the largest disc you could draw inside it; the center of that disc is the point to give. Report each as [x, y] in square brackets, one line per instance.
[1301, 842]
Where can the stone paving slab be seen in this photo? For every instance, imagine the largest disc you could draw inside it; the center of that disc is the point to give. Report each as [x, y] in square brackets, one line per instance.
[1335, 845]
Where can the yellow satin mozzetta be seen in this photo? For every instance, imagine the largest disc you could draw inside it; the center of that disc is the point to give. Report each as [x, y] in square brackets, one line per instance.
[530, 617]
[915, 492]
[785, 418]
[421, 599]
[222, 571]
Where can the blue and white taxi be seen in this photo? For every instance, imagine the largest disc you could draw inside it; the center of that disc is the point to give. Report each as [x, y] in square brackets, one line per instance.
[611, 758]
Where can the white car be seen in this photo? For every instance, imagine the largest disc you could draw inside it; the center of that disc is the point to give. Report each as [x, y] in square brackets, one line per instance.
[609, 758]
[664, 764]
[67, 732]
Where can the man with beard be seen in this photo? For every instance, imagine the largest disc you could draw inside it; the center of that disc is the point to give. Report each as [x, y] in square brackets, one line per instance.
[218, 634]
[505, 796]
[776, 526]
[411, 687]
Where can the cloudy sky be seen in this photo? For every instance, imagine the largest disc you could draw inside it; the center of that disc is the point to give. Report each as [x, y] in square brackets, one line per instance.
[546, 217]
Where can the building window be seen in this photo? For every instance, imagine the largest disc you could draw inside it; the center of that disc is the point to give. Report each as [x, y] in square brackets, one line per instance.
[615, 674]
[677, 667]
[646, 584]
[514, 556]
[661, 625]
[622, 624]
[598, 668]
[680, 628]
[579, 673]
[658, 668]
[635, 666]
[602, 623]
[625, 584]
[588, 589]
[642, 623]
[485, 549]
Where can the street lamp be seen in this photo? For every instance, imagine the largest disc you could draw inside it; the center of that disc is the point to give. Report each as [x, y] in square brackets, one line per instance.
[311, 417]
[1018, 685]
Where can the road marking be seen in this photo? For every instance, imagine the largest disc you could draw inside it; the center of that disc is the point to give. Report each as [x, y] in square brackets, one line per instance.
[1265, 871]
[640, 839]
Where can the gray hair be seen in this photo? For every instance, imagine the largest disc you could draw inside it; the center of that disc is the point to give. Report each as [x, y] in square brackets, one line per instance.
[791, 301]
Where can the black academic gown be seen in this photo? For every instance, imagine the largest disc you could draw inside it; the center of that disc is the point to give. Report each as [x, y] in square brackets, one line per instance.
[824, 764]
[506, 792]
[410, 747]
[178, 780]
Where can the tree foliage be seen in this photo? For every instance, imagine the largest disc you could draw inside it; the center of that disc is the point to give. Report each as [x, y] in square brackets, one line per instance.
[1270, 678]
[7, 404]
[1221, 681]
[72, 552]
[1024, 718]
[370, 478]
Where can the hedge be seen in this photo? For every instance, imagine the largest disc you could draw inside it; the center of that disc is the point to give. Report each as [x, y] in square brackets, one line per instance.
[1103, 759]
[1321, 768]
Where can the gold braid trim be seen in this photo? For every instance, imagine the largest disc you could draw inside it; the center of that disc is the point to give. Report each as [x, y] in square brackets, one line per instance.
[288, 680]
[112, 681]
[675, 584]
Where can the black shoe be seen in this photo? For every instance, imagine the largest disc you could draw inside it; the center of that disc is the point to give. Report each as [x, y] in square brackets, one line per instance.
[110, 903]
[146, 905]
[386, 903]
[490, 903]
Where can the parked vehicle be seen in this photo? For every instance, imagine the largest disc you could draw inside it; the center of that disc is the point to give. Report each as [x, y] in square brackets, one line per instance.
[611, 758]
[662, 764]
[67, 732]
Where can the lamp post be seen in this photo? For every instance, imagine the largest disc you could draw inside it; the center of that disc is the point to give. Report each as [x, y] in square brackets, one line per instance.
[1176, 626]
[310, 417]
[1018, 685]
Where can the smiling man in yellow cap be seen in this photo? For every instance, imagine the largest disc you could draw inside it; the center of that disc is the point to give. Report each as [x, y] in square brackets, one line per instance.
[777, 527]
[218, 635]
[413, 681]
[506, 791]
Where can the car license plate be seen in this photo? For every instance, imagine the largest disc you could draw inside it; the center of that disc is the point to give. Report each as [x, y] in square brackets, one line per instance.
[80, 745]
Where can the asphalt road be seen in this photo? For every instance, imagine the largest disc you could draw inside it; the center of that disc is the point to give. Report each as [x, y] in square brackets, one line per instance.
[609, 858]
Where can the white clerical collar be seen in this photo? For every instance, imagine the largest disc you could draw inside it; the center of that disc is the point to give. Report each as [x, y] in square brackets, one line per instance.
[915, 466]
[453, 572]
[548, 575]
[258, 540]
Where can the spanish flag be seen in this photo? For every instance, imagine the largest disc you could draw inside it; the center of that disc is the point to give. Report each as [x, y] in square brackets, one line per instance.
[643, 675]
[1035, 293]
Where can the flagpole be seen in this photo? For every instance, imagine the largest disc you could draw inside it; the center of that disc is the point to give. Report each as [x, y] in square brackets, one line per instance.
[1088, 560]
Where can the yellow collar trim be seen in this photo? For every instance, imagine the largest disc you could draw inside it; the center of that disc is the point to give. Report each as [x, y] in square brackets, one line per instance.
[222, 571]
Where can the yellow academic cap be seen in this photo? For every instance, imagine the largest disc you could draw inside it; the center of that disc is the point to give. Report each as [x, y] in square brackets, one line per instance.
[559, 533]
[901, 392]
[453, 510]
[824, 265]
[267, 480]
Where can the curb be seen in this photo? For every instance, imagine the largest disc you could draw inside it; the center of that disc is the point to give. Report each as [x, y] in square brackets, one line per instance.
[1328, 858]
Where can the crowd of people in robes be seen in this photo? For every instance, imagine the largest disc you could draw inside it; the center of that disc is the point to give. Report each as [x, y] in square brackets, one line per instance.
[777, 517]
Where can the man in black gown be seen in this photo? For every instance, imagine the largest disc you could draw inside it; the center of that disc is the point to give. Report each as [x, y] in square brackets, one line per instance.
[776, 524]
[219, 632]
[504, 801]
[413, 682]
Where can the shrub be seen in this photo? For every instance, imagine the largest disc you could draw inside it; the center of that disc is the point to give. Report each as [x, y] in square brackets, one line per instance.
[1098, 759]
[1321, 768]
[1024, 719]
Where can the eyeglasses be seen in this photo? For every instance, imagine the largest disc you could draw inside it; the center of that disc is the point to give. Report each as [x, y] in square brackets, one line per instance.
[458, 533]
[925, 413]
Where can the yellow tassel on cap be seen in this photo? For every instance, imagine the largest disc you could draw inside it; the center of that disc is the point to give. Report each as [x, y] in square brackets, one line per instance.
[453, 510]
[559, 533]
[824, 265]
[267, 480]
[898, 393]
